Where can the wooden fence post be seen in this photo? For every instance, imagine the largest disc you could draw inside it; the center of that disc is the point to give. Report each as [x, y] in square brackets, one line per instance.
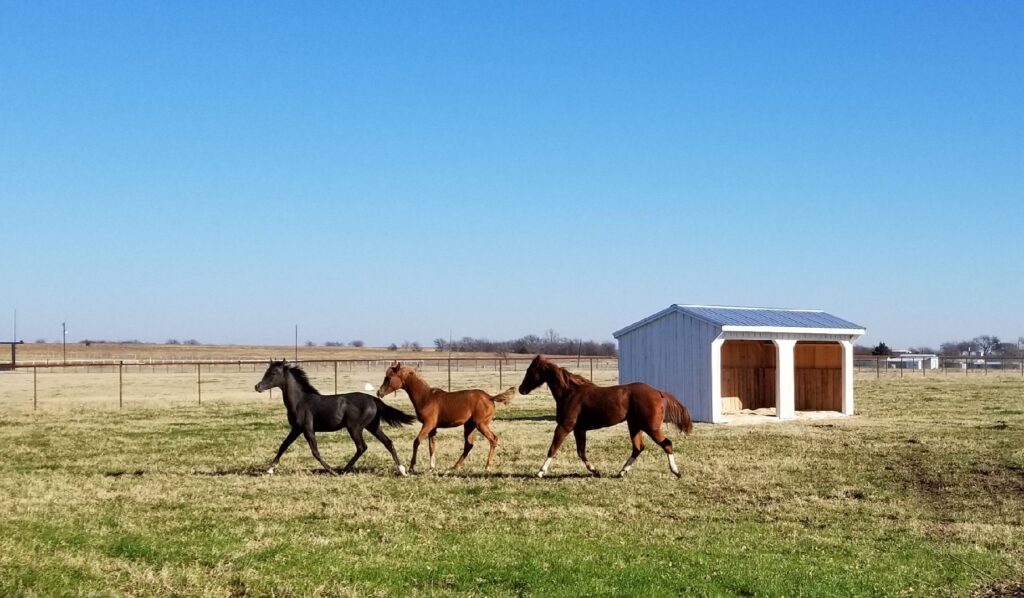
[120, 385]
[335, 377]
[34, 393]
[199, 382]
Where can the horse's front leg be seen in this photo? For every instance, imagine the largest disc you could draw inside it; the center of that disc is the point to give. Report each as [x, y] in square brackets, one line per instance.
[288, 440]
[311, 440]
[581, 450]
[561, 431]
[424, 430]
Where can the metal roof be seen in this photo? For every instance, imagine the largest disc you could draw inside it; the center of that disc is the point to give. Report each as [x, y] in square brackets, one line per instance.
[755, 317]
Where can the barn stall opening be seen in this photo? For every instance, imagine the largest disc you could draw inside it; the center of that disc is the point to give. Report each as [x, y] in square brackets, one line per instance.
[720, 360]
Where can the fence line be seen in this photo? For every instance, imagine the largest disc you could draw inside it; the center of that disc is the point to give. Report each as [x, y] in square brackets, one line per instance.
[494, 363]
[943, 364]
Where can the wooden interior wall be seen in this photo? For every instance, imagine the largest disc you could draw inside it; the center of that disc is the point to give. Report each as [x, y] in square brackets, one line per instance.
[818, 376]
[748, 375]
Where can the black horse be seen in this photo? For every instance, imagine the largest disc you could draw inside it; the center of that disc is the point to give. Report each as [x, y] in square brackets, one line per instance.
[310, 412]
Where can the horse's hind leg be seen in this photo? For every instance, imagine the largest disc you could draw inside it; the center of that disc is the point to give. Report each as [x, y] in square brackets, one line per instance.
[485, 429]
[432, 444]
[469, 431]
[666, 444]
[581, 450]
[357, 438]
[378, 432]
[637, 436]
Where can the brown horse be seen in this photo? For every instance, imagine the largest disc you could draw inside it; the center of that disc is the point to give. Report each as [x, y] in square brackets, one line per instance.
[581, 405]
[436, 408]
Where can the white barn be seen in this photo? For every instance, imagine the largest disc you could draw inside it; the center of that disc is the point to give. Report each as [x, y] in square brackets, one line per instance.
[718, 360]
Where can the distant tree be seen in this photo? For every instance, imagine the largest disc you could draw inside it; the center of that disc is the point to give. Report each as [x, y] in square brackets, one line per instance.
[881, 349]
[861, 350]
[416, 347]
[440, 344]
[985, 343]
[953, 348]
[924, 349]
[392, 347]
[310, 344]
[87, 342]
[173, 341]
[356, 344]
[192, 342]
[40, 341]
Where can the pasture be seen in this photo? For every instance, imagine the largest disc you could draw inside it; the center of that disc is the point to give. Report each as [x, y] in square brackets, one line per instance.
[920, 494]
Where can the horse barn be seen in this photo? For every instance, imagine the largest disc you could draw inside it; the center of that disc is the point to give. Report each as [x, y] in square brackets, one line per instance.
[723, 360]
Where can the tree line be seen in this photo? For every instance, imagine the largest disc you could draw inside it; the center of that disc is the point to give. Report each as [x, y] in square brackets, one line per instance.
[985, 344]
[550, 344]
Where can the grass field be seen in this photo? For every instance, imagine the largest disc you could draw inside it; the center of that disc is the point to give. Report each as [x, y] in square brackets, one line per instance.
[921, 494]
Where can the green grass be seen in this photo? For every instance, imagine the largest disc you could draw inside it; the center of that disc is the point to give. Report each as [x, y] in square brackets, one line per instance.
[921, 494]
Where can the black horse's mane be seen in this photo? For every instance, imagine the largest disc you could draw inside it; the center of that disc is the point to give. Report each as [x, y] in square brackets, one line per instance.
[300, 376]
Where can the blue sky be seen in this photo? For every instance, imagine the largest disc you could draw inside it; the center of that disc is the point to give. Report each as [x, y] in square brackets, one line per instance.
[395, 171]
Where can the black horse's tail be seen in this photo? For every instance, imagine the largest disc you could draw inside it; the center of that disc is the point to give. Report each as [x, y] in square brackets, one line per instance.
[677, 413]
[392, 416]
[505, 397]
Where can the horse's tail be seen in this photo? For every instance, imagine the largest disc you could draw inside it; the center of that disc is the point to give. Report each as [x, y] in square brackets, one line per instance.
[505, 397]
[677, 413]
[392, 416]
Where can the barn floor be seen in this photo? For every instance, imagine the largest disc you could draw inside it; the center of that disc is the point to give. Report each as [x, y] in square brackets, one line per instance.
[767, 415]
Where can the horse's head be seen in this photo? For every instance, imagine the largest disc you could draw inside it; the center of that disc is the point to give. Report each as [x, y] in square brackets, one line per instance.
[534, 376]
[274, 377]
[392, 380]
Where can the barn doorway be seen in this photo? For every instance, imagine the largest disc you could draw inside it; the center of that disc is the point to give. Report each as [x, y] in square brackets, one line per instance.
[818, 379]
[748, 376]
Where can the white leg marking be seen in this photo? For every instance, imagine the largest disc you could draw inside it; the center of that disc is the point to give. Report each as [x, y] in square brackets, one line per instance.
[270, 471]
[672, 464]
[544, 468]
[401, 470]
[433, 462]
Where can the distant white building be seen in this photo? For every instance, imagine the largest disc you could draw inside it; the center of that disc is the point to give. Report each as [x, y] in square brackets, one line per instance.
[720, 359]
[914, 361]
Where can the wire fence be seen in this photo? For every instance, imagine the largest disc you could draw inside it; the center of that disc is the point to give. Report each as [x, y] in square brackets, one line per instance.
[196, 380]
[939, 365]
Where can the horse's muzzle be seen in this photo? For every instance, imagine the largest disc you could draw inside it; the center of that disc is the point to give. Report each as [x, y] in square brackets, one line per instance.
[258, 389]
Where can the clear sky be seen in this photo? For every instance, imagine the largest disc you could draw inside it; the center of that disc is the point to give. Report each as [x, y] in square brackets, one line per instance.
[393, 171]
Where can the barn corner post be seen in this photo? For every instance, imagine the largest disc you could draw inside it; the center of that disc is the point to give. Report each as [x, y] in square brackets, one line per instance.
[847, 374]
[716, 380]
[785, 383]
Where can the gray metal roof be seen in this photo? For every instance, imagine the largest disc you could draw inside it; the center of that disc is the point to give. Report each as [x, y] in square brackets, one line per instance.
[754, 317]
[764, 316]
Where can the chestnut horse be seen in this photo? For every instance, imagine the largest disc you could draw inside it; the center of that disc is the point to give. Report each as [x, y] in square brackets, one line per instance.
[581, 405]
[436, 408]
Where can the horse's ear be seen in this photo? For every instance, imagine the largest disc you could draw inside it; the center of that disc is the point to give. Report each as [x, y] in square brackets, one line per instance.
[398, 365]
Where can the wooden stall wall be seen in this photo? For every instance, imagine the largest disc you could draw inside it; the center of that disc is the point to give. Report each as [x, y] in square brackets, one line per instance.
[819, 376]
[748, 375]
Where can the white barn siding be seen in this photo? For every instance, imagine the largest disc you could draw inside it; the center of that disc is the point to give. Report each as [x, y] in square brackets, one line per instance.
[672, 353]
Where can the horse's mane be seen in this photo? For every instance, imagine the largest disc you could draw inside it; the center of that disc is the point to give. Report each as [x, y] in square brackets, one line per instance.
[566, 377]
[300, 376]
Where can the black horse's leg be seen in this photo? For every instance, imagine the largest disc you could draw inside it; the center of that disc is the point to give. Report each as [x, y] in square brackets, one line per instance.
[288, 440]
[311, 440]
[357, 438]
[378, 432]
[581, 450]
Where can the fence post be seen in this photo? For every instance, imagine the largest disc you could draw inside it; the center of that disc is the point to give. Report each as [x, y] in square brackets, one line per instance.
[984, 365]
[34, 393]
[449, 374]
[500, 384]
[335, 377]
[120, 385]
[591, 368]
[199, 382]
[878, 373]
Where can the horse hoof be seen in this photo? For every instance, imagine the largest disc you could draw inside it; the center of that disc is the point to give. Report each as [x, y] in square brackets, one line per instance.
[401, 471]
[540, 474]
[596, 473]
[270, 471]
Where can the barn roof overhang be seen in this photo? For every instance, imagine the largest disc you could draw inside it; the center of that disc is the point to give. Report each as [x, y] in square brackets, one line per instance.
[763, 321]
